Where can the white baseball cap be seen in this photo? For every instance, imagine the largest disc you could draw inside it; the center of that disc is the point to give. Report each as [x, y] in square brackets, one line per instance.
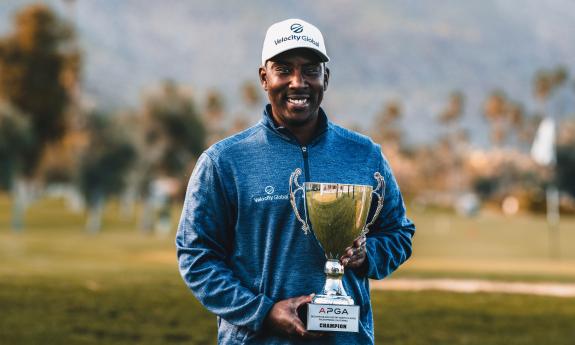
[291, 34]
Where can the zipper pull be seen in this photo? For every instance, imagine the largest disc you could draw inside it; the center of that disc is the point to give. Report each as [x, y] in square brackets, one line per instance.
[304, 149]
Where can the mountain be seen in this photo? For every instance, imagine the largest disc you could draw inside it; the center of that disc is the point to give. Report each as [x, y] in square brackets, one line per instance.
[414, 51]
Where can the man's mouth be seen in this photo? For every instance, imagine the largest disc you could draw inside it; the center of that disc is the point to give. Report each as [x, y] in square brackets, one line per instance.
[298, 100]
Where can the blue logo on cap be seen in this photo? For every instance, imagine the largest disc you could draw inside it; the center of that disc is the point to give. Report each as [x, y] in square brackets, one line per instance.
[296, 28]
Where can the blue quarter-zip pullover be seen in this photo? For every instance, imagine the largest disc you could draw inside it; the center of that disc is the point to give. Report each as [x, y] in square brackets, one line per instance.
[240, 247]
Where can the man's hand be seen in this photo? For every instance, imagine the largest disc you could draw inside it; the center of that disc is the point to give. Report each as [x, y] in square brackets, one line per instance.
[283, 318]
[355, 255]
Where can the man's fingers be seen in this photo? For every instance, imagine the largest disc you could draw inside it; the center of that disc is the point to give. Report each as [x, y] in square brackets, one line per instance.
[304, 333]
[359, 242]
[303, 300]
[347, 252]
[352, 252]
[299, 327]
[354, 255]
[355, 260]
[358, 247]
[312, 335]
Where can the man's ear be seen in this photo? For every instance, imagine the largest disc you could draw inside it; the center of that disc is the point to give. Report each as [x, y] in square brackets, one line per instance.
[263, 77]
[325, 78]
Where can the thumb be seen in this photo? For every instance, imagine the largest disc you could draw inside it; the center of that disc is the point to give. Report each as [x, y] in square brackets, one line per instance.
[360, 241]
[303, 299]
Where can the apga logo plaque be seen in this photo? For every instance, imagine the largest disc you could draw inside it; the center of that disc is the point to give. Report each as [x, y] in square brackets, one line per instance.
[333, 318]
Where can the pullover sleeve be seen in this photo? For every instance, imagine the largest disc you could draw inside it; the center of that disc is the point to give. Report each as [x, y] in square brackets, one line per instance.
[389, 238]
[204, 242]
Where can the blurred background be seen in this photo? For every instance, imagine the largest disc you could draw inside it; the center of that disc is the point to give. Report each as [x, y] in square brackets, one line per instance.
[106, 105]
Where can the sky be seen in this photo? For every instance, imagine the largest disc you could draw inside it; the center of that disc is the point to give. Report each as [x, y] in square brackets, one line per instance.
[417, 52]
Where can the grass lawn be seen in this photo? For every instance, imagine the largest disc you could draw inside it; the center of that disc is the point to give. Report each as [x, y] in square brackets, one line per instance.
[155, 308]
[59, 285]
[439, 318]
[490, 246]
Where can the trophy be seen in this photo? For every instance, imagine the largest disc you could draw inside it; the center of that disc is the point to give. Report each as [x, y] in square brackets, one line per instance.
[337, 213]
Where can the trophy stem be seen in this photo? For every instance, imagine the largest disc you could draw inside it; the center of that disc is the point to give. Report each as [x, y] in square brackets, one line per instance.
[333, 291]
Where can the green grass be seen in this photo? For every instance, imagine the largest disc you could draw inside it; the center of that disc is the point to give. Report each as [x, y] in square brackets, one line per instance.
[60, 285]
[439, 318]
[155, 308]
[123, 308]
[490, 246]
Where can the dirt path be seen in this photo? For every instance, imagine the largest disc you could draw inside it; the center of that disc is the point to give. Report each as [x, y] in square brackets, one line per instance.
[473, 286]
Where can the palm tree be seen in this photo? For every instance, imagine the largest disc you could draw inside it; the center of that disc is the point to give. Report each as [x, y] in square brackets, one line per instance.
[174, 136]
[495, 111]
[387, 128]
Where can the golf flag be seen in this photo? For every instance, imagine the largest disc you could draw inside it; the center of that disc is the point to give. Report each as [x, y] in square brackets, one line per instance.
[543, 149]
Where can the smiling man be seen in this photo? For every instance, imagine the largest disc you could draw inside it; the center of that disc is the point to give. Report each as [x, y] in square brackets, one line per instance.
[295, 81]
[240, 248]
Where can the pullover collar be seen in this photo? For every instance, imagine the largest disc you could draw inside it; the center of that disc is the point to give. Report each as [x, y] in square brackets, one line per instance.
[283, 132]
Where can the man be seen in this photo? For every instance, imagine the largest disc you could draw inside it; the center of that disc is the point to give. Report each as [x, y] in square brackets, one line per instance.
[240, 248]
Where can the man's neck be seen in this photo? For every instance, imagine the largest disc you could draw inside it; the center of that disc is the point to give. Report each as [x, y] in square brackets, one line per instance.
[304, 133]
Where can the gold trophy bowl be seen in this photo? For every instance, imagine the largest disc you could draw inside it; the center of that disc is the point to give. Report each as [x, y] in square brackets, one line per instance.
[337, 213]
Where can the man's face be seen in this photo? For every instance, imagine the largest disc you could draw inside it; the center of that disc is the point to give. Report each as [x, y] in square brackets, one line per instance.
[295, 81]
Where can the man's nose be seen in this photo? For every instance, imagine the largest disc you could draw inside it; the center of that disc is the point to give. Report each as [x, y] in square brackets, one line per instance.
[298, 81]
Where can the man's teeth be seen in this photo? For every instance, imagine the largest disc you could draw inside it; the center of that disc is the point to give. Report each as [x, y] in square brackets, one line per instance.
[298, 101]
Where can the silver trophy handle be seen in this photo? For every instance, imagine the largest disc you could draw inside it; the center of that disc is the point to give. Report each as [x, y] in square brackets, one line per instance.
[380, 197]
[293, 181]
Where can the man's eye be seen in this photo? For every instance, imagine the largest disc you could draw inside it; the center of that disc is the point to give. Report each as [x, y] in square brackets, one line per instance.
[283, 70]
[312, 70]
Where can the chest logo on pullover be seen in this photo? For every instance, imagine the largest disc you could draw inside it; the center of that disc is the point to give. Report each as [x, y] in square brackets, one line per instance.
[269, 195]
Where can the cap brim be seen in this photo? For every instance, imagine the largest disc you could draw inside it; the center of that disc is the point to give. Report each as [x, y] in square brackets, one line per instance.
[322, 56]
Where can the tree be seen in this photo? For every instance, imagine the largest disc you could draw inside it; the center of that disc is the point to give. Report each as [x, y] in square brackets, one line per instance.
[174, 137]
[455, 140]
[214, 105]
[495, 111]
[545, 84]
[565, 169]
[16, 140]
[37, 67]
[547, 81]
[251, 94]
[454, 108]
[36, 63]
[213, 115]
[104, 164]
[387, 127]
[173, 130]
[507, 120]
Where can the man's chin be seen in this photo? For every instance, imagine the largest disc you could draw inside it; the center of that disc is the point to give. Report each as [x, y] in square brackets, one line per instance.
[299, 121]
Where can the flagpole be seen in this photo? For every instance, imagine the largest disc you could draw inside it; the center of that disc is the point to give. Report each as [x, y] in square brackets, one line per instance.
[552, 196]
[543, 153]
